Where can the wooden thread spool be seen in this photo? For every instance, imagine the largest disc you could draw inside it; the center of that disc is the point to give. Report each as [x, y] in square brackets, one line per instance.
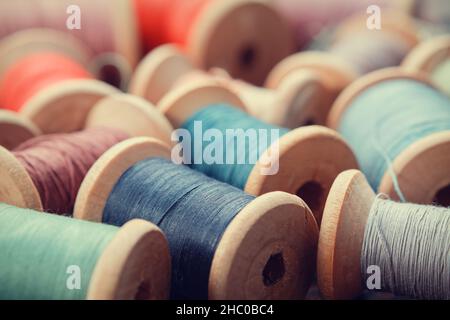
[53, 104]
[419, 169]
[15, 129]
[342, 235]
[105, 27]
[25, 42]
[336, 73]
[130, 114]
[131, 262]
[428, 57]
[237, 35]
[296, 102]
[307, 156]
[274, 225]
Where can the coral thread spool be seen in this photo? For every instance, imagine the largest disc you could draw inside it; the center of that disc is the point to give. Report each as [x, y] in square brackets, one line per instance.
[106, 28]
[314, 148]
[295, 103]
[266, 252]
[237, 35]
[342, 243]
[29, 41]
[53, 91]
[433, 58]
[37, 250]
[415, 160]
[347, 59]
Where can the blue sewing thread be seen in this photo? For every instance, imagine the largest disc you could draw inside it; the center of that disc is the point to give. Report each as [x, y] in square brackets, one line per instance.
[223, 117]
[387, 118]
[192, 210]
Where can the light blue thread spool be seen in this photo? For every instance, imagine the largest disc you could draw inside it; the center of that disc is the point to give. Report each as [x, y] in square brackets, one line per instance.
[389, 118]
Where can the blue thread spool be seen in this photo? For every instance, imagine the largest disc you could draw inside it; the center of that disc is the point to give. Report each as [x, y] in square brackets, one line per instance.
[308, 161]
[267, 251]
[46, 257]
[399, 128]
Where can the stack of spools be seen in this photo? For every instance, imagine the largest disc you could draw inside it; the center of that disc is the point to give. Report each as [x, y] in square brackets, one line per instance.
[330, 181]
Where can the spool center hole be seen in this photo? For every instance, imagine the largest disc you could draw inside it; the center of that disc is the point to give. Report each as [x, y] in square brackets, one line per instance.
[143, 291]
[273, 270]
[443, 197]
[312, 193]
[111, 74]
[247, 56]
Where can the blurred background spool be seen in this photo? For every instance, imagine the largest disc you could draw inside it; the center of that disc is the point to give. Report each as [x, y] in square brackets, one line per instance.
[354, 52]
[106, 28]
[59, 162]
[310, 18]
[297, 102]
[15, 130]
[55, 92]
[433, 58]
[236, 35]
[307, 159]
[265, 250]
[131, 262]
[398, 125]
[344, 243]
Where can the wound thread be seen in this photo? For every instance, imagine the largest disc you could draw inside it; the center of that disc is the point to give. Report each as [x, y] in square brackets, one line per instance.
[411, 245]
[387, 118]
[58, 163]
[36, 250]
[33, 73]
[192, 210]
[222, 117]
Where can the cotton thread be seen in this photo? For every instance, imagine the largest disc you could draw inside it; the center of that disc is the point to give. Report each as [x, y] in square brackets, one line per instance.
[36, 250]
[441, 76]
[395, 114]
[192, 210]
[370, 51]
[35, 72]
[411, 245]
[58, 163]
[223, 117]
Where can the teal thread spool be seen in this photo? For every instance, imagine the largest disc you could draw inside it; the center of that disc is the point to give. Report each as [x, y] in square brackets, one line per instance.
[399, 127]
[433, 58]
[38, 254]
[267, 251]
[307, 161]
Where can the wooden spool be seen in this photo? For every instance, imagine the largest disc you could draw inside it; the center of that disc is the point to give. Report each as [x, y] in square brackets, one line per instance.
[308, 163]
[298, 100]
[14, 129]
[274, 225]
[422, 168]
[334, 73]
[239, 36]
[118, 19]
[428, 56]
[134, 265]
[341, 236]
[130, 114]
[22, 43]
[61, 107]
